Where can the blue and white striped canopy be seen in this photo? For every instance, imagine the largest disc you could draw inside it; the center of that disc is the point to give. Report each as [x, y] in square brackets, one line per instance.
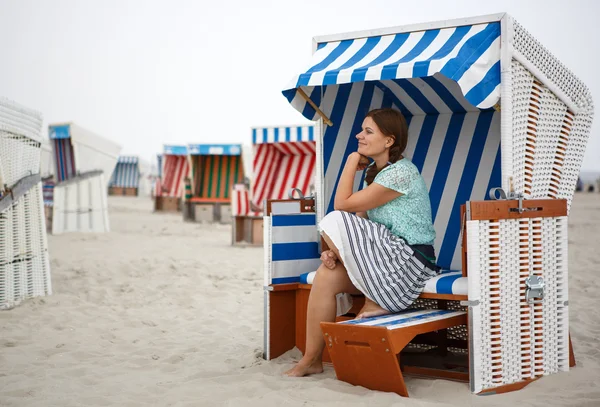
[468, 55]
[285, 134]
[175, 150]
[445, 82]
[215, 149]
[126, 173]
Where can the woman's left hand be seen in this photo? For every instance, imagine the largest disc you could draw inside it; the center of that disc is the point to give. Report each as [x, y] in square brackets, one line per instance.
[357, 160]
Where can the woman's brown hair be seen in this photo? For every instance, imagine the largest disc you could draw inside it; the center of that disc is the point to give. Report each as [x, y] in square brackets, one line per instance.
[392, 124]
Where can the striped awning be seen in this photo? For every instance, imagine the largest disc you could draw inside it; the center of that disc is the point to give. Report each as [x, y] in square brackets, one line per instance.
[126, 173]
[126, 159]
[285, 134]
[467, 55]
[215, 149]
[175, 150]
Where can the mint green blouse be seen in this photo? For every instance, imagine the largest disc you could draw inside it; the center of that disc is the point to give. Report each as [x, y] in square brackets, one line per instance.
[409, 215]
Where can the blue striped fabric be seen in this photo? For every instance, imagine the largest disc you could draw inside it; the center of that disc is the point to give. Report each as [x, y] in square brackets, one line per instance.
[127, 159]
[455, 146]
[262, 135]
[294, 247]
[294, 220]
[126, 173]
[449, 282]
[468, 55]
[397, 320]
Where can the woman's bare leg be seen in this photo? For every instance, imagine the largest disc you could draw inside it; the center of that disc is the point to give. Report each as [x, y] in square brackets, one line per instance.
[321, 308]
[370, 309]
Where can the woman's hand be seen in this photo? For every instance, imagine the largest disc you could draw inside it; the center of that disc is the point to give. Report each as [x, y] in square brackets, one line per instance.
[328, 258]
[358, 161]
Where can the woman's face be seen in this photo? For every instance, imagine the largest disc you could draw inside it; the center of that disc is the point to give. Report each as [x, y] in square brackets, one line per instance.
[371, 141]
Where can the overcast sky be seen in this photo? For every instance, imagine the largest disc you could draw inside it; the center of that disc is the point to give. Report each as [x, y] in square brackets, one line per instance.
[145, 73]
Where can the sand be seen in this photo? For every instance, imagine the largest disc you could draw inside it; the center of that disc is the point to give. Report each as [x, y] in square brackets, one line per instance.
[161, 312]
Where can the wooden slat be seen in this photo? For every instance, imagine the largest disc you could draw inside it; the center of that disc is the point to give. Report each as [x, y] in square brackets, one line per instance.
[493, 210]
[449, 297]
[508, 387]
[282, 328]
[284, 287]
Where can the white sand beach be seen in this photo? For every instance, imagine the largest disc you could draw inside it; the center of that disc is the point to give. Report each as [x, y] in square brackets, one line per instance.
[159, 312]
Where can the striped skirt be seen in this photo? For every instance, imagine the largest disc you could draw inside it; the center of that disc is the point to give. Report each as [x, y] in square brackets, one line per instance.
[380, 264]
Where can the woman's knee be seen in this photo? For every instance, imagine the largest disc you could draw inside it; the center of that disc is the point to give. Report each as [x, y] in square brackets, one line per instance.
[330, 278]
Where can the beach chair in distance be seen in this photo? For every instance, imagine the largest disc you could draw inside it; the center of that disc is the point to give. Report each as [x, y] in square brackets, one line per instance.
[24, 260]
[169, 188]
[84, 162]
[215, 169]
[284, 160]
[125, 179]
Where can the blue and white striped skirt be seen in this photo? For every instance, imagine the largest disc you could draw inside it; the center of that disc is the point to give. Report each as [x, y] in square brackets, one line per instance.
[380, 264]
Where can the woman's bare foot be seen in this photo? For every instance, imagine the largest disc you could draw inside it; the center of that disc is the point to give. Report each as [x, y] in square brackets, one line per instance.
[370, 309]
[305, 368]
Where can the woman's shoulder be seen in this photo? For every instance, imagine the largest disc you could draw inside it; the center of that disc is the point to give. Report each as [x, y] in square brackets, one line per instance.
[404, 166]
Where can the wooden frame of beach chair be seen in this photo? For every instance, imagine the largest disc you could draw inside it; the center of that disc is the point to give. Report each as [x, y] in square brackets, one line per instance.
[24, 263]
[356, 349]
[214, 169]
[284, 159]
[169, 188]
[487, 106]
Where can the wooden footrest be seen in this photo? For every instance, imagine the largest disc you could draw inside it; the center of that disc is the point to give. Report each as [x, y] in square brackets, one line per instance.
[366, 352]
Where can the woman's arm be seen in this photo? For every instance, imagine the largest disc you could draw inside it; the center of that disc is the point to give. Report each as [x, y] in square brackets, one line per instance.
[371, 197]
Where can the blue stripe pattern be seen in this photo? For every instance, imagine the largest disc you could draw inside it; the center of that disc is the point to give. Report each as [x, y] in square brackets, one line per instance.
[454, 56]
[286, 280]
[444, 284]
[294, 220]
[290, 258]
[126, 174]
[262, 135]
[295, 251]
[410, 317]
[454, 175]
[431, 77]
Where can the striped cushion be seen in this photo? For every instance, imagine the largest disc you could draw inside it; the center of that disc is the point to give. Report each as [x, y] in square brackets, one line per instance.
[449, 282]
[406, 318]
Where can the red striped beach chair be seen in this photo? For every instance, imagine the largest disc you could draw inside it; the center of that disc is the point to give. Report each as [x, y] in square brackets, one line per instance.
[284, 160]
[169, 187]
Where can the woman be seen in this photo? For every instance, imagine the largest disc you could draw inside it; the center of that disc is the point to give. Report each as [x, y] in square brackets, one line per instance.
[384, 251]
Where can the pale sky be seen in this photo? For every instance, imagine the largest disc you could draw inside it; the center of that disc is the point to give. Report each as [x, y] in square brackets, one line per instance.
[146, 73]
